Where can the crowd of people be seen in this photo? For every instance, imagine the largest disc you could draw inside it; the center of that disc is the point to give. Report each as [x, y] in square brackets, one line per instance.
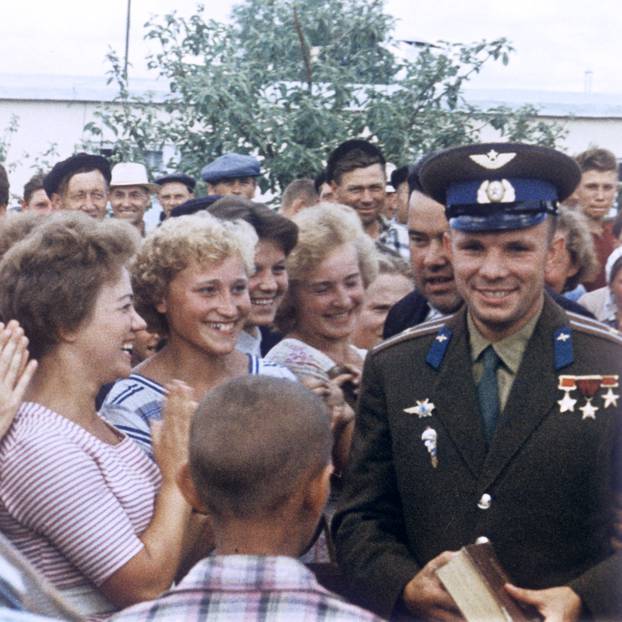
[243, 410]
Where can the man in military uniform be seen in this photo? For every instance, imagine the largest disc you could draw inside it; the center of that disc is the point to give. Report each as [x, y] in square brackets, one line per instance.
[502, 421]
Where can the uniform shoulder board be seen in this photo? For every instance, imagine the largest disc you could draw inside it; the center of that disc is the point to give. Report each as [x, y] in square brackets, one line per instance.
[420, 330]
[586, 325]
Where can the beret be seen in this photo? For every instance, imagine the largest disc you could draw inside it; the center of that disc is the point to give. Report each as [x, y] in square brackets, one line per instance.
[60, 170]
[181, 178]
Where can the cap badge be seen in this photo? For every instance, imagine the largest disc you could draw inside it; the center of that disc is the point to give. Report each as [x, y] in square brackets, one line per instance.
[429, 437]
[496, 191]
[492, 160]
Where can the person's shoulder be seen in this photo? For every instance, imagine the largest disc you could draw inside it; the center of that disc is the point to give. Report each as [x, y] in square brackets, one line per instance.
[134, 388]
[593, 329]
[420, 334]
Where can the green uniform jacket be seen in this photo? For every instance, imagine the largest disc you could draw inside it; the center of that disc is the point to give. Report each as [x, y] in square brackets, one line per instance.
[543, 492]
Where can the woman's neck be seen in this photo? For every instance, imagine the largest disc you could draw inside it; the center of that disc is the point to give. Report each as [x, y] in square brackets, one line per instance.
[65, 390]
[336, 349]
[197, 368]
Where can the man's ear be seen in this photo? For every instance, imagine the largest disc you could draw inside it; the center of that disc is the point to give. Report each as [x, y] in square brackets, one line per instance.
[447, 244]
[56, 200]
[317, 490]
[188, 490]
[554, 252]
[161, 307]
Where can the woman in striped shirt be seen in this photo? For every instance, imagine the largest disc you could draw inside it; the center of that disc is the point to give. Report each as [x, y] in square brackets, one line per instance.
[191, 279]
[101, 521]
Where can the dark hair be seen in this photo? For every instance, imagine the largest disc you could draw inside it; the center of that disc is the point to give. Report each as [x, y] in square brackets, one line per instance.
[617, 266]
[267, 224]
[253, 441]
[32, 185]
[4, 187]
[597, 159]
[49, 281]
[319, 180]
[351, 155]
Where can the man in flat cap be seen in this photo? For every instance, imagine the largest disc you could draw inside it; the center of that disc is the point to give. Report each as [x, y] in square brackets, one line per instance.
[232, 173]
[80, 183]
[356, 173]
[174, 190]
[502, 421]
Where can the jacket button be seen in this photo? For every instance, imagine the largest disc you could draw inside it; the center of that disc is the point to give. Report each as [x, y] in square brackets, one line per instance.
[484, 502]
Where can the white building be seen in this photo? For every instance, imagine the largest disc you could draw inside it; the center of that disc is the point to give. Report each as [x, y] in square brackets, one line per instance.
[51, 111]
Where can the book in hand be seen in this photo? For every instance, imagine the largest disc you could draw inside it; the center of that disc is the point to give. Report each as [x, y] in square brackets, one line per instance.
[475, 578]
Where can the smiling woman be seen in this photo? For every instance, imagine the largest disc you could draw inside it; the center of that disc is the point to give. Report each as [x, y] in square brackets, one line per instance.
[80, 500]
[191, 280]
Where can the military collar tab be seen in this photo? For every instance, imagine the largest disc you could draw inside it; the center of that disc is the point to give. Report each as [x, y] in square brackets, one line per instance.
[562, 347]
[438, 348]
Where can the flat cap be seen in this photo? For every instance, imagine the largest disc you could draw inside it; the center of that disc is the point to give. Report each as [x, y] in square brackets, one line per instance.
[497, 186]
[74, 163]
[230, 166]
[180, 178]
[347, 147]
[194, 205]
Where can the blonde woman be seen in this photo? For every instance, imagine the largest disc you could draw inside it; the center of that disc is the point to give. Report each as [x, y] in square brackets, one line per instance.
[190, 280]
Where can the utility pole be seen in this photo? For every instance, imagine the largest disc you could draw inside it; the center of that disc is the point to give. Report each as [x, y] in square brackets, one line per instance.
[127, 38]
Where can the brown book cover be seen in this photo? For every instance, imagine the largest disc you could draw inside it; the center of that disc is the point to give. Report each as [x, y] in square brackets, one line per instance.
[475, 580]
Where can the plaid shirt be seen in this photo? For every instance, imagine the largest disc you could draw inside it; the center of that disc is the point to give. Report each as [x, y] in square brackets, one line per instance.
[245, 588]
[394, 236]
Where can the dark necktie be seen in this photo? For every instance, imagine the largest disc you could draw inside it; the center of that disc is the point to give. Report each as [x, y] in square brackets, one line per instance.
[488, 392]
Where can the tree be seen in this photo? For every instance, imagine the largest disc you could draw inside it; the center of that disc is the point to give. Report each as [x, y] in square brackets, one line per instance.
[288, 81]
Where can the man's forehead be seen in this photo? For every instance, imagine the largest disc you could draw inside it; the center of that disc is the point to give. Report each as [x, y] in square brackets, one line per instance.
[595, 176]
[173, 186]
[90, 178]
[425, 213]
[372, 174]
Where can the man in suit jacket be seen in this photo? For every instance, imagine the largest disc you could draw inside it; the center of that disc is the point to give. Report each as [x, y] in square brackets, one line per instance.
[533, 461]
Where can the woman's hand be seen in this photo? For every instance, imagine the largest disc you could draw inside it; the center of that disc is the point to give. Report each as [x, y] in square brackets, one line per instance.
[172, 434]
[15, 372]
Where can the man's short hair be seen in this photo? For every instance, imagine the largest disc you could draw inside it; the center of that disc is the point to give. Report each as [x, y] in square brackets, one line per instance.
[4, 187]
[32, 185]
[299, 189]
[319, 180]
[349, 156]
[254, 441]
[597, 159]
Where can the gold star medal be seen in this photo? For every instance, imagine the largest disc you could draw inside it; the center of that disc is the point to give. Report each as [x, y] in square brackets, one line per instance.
[567, 384]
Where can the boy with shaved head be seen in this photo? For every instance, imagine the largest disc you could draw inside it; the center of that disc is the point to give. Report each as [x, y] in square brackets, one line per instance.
[260, 468]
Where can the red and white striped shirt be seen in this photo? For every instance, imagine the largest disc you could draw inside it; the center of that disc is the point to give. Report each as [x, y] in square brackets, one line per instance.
[71, 503]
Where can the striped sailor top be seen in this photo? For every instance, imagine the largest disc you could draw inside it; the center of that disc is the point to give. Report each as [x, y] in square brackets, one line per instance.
[135, 402]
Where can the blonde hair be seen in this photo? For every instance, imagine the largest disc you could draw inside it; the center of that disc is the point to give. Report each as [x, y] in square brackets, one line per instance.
[321, 229]
[179, 242]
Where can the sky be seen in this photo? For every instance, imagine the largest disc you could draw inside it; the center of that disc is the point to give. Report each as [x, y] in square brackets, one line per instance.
[556, 41]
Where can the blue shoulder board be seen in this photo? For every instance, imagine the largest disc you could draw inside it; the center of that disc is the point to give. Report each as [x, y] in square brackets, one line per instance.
[437, 350]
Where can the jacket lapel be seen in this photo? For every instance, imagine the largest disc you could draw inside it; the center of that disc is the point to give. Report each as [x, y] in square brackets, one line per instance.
[533, 395]
[456, 400]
